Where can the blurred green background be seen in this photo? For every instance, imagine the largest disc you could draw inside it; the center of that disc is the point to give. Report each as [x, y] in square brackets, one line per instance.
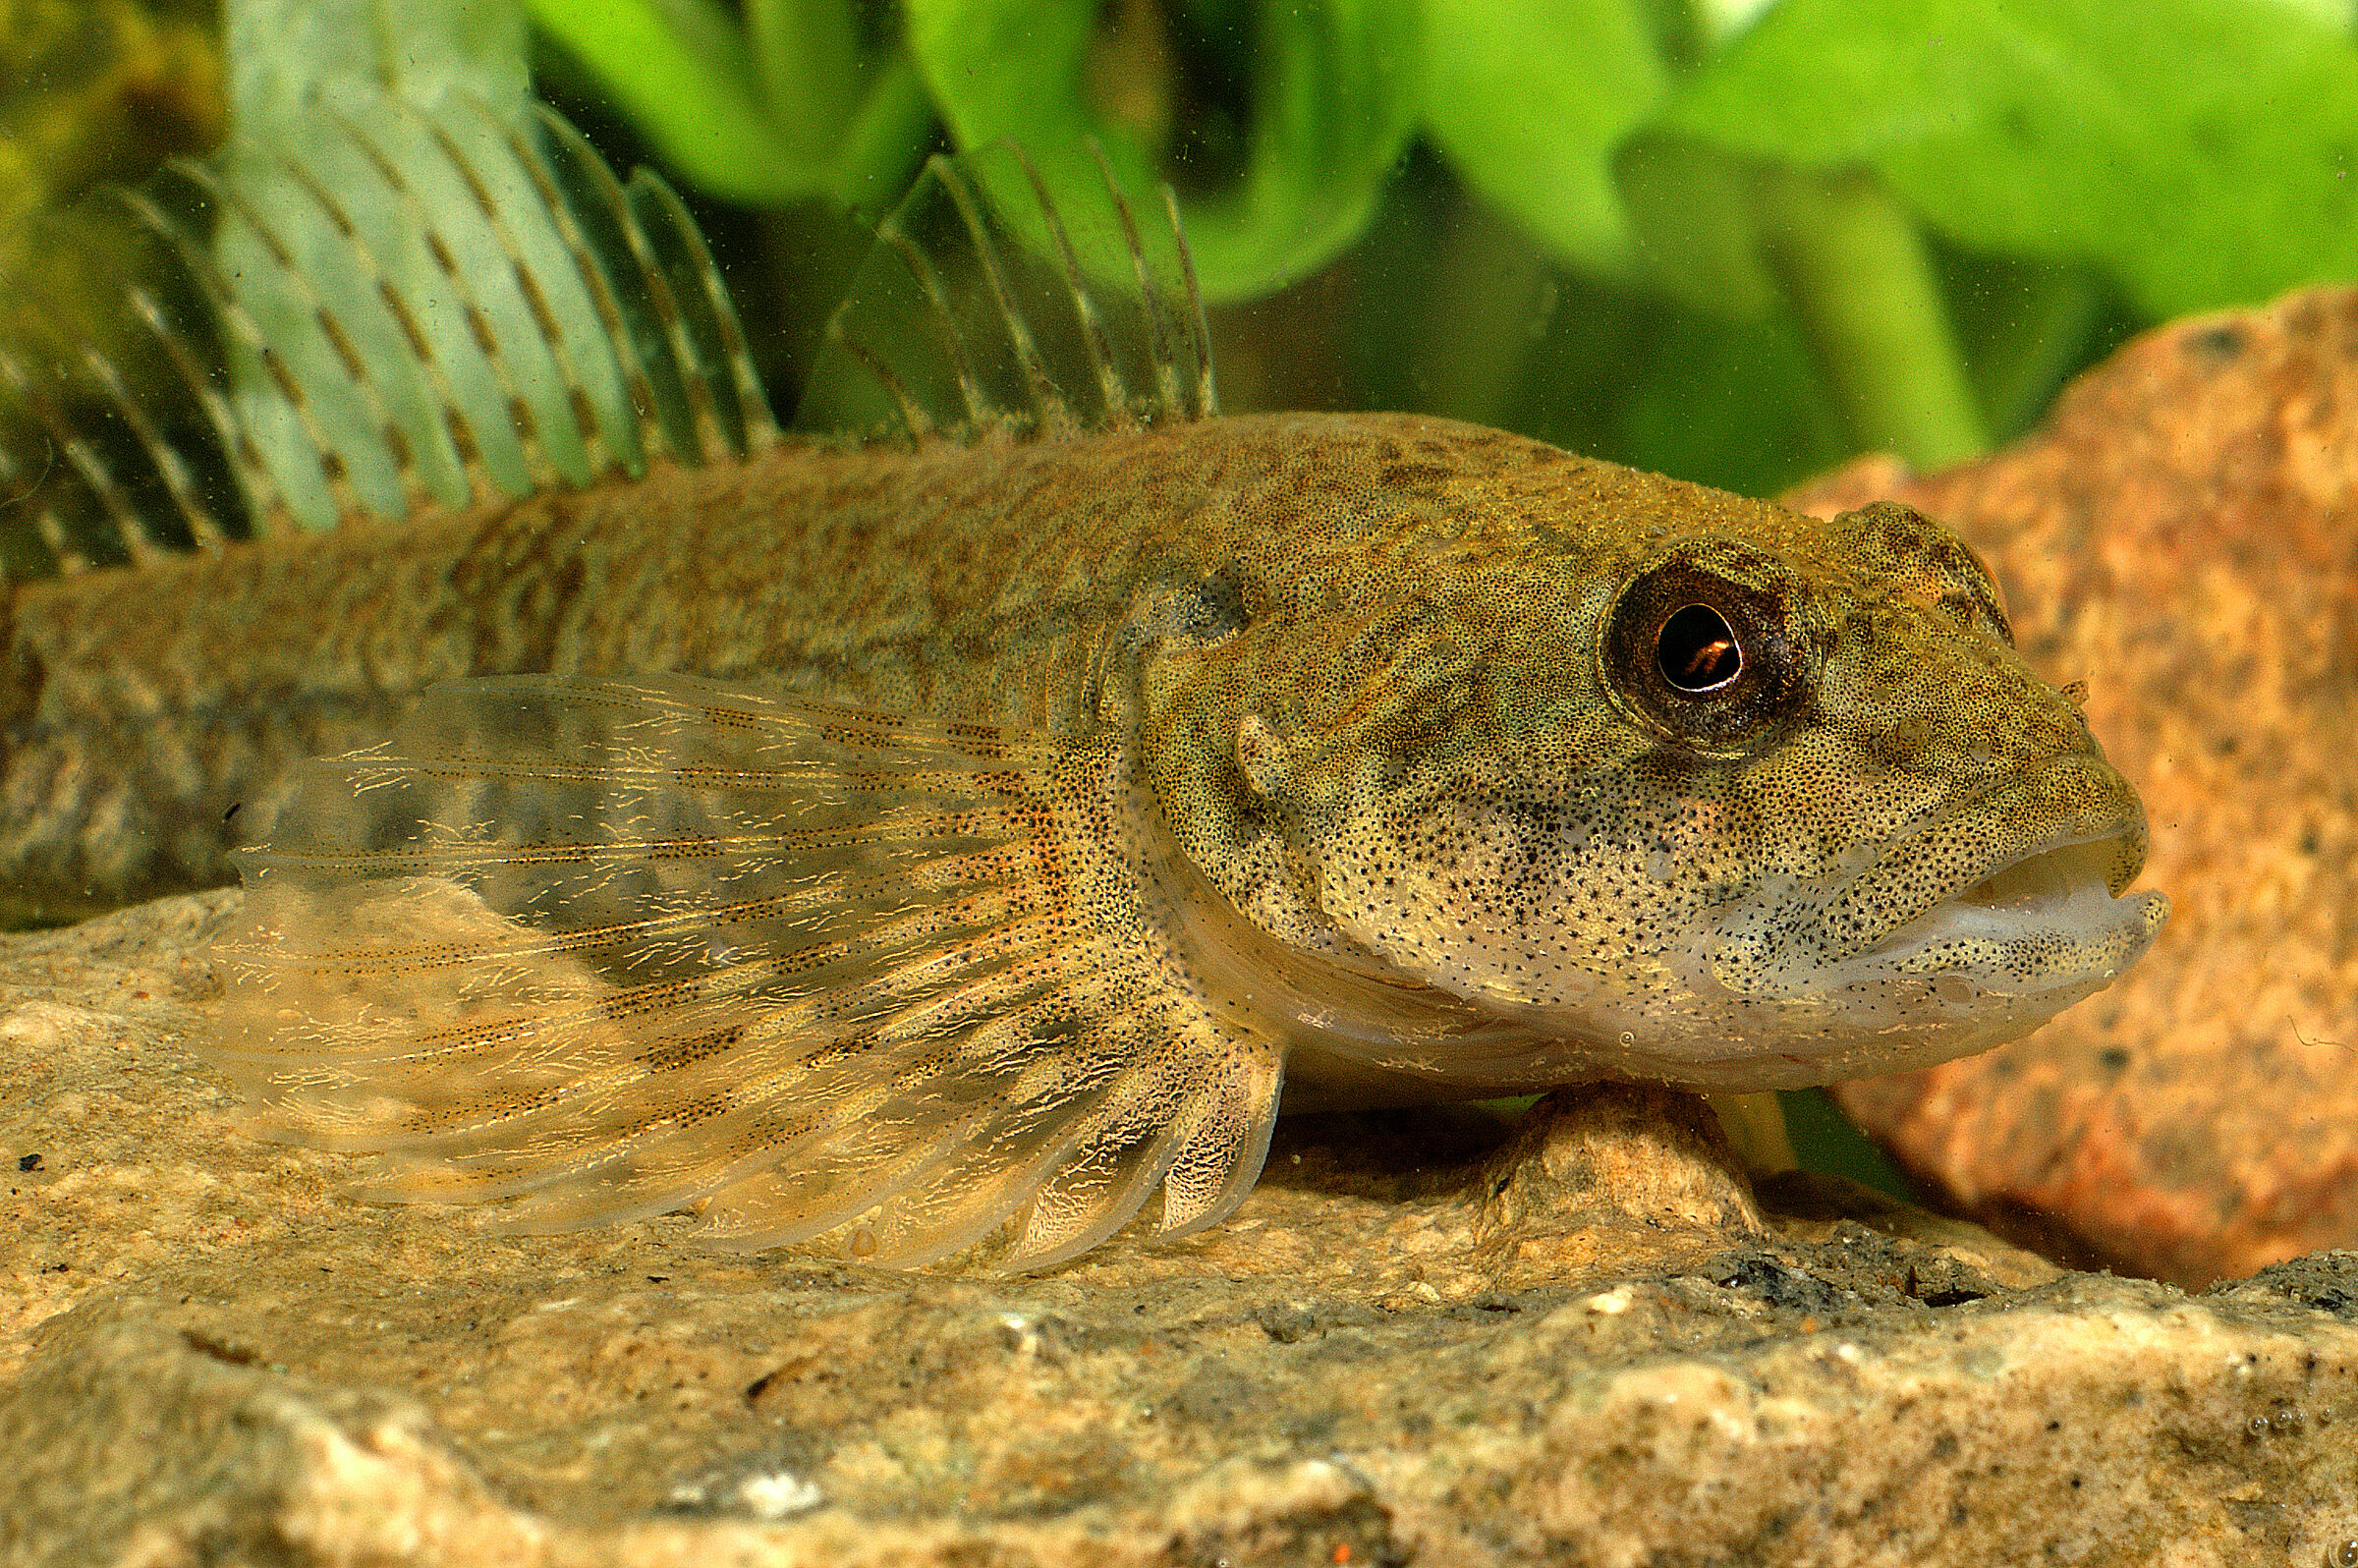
[1729, 241]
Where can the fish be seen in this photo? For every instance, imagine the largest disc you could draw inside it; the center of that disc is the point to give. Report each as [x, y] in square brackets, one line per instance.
[943, 828]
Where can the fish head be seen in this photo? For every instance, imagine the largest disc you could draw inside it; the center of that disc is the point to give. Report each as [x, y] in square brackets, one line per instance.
[1757, 802]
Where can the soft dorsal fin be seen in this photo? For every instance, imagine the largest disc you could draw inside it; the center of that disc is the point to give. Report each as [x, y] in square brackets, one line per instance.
[378, 310]
[988, 307]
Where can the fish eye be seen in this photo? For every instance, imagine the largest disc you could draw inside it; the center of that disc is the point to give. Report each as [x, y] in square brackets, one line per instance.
[1697, 648]
[1698, 651]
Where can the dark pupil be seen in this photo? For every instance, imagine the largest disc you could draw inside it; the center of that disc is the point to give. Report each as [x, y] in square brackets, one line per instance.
[1698, 649]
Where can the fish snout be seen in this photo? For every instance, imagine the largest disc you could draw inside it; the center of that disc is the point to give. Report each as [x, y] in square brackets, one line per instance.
[2072, 821]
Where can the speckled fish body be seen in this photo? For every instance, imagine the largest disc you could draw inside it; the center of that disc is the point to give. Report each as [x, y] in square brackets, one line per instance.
[960, 842]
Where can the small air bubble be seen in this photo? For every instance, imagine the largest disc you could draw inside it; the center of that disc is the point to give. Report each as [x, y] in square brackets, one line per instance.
[2259, 1426]
[2344, 1555]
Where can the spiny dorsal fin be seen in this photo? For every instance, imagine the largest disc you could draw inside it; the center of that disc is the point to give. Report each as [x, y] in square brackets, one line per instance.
[988, 307]
[382, 308]
[522, 314]
[98, 474]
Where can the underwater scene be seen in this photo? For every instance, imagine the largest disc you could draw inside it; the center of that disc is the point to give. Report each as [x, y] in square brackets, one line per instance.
[1052, 781]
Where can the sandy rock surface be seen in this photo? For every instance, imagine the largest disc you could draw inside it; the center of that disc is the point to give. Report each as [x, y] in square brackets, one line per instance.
[2183, 536]
[1426, 1339]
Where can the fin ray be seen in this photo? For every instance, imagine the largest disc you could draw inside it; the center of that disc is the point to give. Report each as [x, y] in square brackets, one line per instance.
[599, 949]
[991, 307]
[381, 309]
[522, 424]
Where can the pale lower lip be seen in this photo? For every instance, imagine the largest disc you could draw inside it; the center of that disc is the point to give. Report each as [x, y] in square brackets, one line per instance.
[2056, 894]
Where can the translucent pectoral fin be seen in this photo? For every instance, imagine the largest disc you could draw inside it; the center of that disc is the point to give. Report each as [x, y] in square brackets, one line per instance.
[602, 949]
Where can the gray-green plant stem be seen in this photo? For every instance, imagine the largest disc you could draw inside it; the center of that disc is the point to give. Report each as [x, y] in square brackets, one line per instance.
[883, 141]
[1491, 285]
[1856, 268]
[807, 53]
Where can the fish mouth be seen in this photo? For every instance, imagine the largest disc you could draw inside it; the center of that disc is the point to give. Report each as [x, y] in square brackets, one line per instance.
[2029, 892]
[2048, 918]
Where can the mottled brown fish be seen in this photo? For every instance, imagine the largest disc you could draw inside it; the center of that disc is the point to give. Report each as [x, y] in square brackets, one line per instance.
[960, 835]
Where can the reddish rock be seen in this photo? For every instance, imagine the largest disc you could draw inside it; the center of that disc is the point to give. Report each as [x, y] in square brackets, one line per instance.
[2182, 535]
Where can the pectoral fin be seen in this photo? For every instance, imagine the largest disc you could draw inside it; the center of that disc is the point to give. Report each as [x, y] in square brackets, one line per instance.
[605, 949]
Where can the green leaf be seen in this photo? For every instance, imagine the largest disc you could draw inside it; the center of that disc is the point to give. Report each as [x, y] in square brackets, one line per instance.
[1859, 273]
[682, 72]
[2195, 150]
[812, 69]
[1727, 402]
[884, 142]
[1691, 212]
[1529, 101]
[286, 57]
[1740, 238]
[2027, 327]
[1830, 1142]
[1332, 102]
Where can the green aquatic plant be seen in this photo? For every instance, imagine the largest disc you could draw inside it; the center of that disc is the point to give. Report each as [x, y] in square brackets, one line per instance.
[1780, 233]
[1730, 241]
[781, 100]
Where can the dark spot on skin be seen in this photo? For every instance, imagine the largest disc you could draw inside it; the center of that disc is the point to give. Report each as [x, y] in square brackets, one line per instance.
[1961, 606]
[1412, 475]
[1218, 607]
[2219, 344]
[216, 1349]
[28, 1162]
[232, 813]
[1057, 1033]
[1903, 532]
[1195, 615]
